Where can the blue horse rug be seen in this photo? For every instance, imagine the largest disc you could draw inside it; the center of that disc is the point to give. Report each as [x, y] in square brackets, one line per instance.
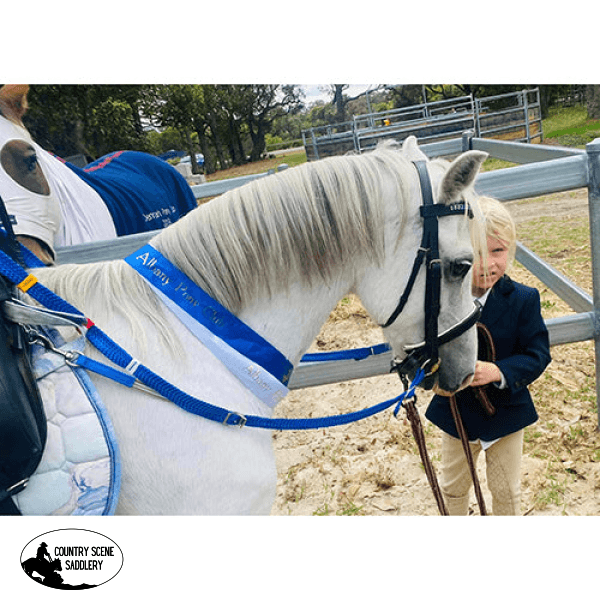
[142, 192]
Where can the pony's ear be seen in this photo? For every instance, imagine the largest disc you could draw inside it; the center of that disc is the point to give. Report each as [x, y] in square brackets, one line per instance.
[13, 101]
[411, 150]
[460, 175]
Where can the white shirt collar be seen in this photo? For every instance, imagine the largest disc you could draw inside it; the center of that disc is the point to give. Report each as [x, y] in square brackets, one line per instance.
[483, 299]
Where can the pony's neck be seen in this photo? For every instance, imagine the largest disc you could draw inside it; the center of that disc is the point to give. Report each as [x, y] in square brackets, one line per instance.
[292, 318]
[289, 317]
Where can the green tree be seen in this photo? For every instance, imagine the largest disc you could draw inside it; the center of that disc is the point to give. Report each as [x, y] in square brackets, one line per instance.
[112, 126]
[265, 104]
[179, 103]
[340, 99]
[65, 118]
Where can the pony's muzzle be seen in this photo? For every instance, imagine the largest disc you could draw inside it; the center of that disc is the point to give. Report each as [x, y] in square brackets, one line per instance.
[414, 363]
[442, 392]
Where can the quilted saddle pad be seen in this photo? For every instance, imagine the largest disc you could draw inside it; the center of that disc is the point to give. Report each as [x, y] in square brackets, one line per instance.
[79, 473]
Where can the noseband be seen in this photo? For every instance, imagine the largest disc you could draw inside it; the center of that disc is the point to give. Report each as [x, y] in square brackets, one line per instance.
[426, 354]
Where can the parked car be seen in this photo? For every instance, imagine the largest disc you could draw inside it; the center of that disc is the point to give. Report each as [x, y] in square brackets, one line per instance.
[199, 159]
[172, 154]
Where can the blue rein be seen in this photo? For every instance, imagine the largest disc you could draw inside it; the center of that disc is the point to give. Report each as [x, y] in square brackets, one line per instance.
[135, 372]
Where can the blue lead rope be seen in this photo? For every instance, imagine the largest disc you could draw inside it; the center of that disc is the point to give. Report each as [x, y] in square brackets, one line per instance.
[28, 283]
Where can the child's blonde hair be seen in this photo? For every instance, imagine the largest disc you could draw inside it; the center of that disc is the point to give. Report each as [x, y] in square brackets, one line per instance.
[499, 223]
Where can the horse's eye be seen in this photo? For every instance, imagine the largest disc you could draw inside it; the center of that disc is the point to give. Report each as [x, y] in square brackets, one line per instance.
[458, 269]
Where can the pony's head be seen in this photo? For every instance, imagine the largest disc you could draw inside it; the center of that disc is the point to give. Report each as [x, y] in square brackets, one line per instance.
[23, 184]
[381, 288]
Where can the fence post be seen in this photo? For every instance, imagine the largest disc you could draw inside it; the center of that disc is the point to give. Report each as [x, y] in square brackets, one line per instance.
[593, 153]
[539, 107]
[355, 137]
[526, 111]
[477, 118]
[467, 140]
[314, 144]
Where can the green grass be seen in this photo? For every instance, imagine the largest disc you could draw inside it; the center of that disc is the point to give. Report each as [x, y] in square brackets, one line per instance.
[565, 243]
[349, 509]
[571, 126]
[553, 493]
[297, 158]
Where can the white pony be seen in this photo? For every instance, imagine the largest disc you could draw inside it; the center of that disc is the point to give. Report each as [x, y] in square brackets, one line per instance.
[279, 253]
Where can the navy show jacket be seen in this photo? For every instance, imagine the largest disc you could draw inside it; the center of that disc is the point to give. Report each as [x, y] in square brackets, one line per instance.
[512, 314]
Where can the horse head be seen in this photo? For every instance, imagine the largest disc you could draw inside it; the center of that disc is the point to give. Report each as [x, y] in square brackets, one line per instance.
[34, 207]
[451, 185]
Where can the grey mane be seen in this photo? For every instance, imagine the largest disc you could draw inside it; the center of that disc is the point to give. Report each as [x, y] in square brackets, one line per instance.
[299, 225]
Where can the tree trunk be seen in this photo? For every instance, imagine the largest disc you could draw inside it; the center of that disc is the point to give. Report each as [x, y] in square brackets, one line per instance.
[237, 154]
[217, 140]
[592, 97]
[192, 152]
[209, 166]
[258, 141]
[544, 101]
[239, 141]
[338, 102]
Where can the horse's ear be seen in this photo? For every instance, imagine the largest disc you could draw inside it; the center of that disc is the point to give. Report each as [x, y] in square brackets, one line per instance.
[411, 150]
[460, 175]
[13, 101]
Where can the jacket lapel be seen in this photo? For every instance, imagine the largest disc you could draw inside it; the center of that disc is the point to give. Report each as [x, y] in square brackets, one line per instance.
[497, 302]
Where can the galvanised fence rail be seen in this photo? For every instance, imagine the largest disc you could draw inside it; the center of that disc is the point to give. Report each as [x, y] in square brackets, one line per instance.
[540, 170]
[516, 116]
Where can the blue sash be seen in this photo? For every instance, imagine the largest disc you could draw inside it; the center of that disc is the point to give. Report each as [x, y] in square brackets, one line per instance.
[176, 286]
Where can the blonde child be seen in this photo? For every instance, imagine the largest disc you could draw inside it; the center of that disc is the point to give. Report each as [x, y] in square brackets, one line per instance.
[512, 315]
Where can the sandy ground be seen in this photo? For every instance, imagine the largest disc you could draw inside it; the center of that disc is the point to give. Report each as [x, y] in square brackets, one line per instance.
[373, 468]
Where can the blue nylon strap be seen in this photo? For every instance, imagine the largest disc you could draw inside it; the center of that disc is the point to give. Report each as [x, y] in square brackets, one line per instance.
[354, 354]
[163, 275]
[105, 370]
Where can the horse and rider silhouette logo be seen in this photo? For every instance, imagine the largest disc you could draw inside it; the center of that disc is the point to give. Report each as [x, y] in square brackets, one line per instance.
[43, 569]
[71, 559]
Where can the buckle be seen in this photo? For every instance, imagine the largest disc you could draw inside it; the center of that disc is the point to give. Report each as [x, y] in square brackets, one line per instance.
[18, 487]
[435, 365]
[240, 421]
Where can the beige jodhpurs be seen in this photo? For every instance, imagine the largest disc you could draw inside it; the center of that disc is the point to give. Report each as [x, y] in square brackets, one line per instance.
[503, 471]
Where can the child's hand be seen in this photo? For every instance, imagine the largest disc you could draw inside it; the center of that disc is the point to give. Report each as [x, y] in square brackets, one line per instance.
[486, 372]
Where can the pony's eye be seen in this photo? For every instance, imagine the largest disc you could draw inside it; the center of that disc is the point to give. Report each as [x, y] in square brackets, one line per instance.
[458, 269]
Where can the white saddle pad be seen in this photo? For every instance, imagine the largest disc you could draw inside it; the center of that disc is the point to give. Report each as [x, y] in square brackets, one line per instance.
[80, 470]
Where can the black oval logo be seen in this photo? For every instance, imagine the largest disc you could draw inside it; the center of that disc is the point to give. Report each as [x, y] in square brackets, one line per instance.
[71, 559]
